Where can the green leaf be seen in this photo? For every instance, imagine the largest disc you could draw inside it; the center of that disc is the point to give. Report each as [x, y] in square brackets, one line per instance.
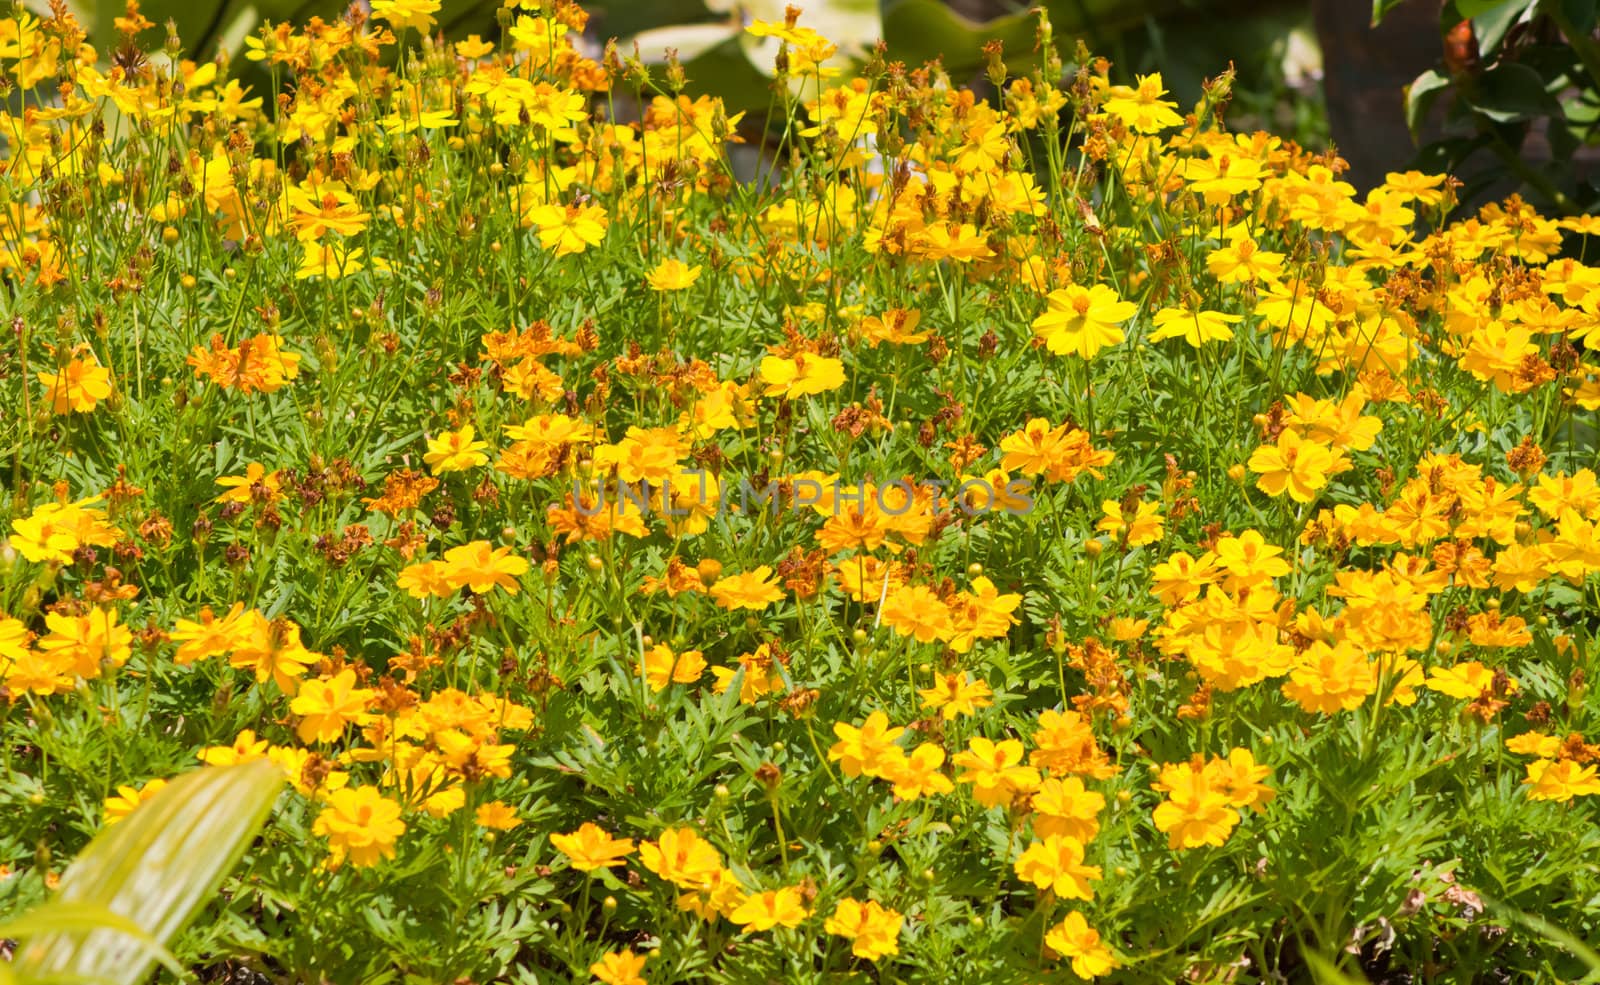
[1420, 96]
[1477, 8]
[1510, 92]
[922, 30]
[1581, 14]
[1552, 933]
[81, 918]
[1491, 25]
[1381, 8]
[155, 869]
[1324, 972]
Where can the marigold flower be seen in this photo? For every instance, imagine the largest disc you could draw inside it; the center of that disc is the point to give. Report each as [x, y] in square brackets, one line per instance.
[672, 274]
[1082, 320]
[80, 384]
[482, 568]
[800, 375]
[863, 750]
[752, 589]
[129, 798]
[361, 826]
[1075, 940]
[1056, 864]
[954, 695]
[325, 707]
[994, 770]
[591, 847]
[620, 968]
[681, 857]
[1560, 780]
[1295, 464]
[774, 908]
[873, 930]
[455, 451]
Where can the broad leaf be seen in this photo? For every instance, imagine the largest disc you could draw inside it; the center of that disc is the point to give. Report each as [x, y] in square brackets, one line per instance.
[1511, 92]
[1420, 96]
[154, 869]
[1381, 8]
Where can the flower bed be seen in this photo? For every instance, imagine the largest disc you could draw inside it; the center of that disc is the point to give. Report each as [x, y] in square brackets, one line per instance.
[1028, 540]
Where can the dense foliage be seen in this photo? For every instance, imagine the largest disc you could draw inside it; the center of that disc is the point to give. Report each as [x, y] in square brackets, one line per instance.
[1035, 540]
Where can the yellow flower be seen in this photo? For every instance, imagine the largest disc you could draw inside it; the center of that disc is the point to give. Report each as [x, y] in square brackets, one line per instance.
[1329, 679]
[1144, 527]
[128, 798]
[402, 14]
[1074, 939]
[1066, 808]
[672, 275]
[1197, 811]
[1194, 327]
[747, 590]
[918, 612]
[620, 968]
[327, 706]
[54, 531]
[1560, 780]
[361, 825]
[1243, 261]
[1083, 320]
[242, 488]
[591, 847]
[775, 908]
[474, 47]
[80, 645]
[917, 774]
[993, 770]
[1294, 464]
[246, 748]
[1142, 109]
[1468, 681]
[873, 930]
[328, 261]
[79, 385]
[272, 649]
[954, 695]
[682, 857]
[425, 579]
[1056, 863]
[455, 451]
[663, 667]
[864, 750]
[481, 568]
[569, 229]
[801, 374]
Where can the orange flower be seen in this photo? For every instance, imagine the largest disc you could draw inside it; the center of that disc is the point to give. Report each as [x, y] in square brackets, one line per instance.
[481, 568]
[748, 590]
[79, 385]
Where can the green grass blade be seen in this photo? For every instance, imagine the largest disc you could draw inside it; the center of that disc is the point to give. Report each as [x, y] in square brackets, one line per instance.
[153, 871]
